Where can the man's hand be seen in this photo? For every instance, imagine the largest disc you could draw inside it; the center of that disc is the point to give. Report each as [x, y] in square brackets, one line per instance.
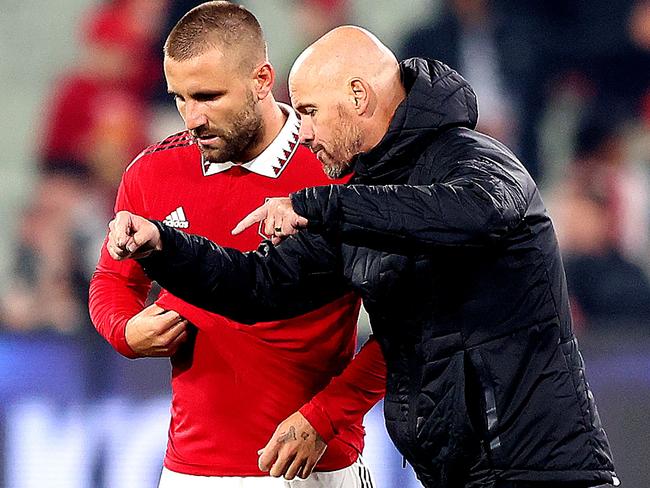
[294, 449]
[131, 236]
[280, 219]
[156, 332]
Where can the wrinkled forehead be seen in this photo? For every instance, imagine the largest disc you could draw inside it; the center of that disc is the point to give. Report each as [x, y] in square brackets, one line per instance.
[300, 85]
[211, 59]
[311, 82]
[205, 69]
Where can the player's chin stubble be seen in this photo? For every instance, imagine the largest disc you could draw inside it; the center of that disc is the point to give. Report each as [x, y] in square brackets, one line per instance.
[244, 132]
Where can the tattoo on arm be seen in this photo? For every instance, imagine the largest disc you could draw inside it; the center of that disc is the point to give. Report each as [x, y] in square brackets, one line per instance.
[288, 436]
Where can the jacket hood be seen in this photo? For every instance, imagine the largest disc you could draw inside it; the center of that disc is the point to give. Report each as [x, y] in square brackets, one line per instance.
[437, 98]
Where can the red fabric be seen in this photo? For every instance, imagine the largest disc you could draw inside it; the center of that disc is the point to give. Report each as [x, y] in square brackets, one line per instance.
[120, 27]
[240, 382]
[80, 106]
[327, 414]
[110, 26]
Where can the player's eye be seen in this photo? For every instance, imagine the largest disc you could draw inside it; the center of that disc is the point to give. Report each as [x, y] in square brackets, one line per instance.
[207, 97]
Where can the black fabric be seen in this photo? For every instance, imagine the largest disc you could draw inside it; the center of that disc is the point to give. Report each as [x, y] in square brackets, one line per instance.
[546, 484]
[444, 235]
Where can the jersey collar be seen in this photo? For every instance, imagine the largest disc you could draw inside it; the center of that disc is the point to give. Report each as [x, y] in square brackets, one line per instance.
[274, 158]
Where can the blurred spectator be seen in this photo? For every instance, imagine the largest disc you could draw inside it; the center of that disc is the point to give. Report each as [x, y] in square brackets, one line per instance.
[42, 294]
[601, 213]
[622, 73]
[471, 38]
[601, 168]
[586, 44]
[114, 80]
[605, 287]
[520, 55]
[95, 124]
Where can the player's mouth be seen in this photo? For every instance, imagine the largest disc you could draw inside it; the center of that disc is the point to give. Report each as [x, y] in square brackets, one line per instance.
[207, 139]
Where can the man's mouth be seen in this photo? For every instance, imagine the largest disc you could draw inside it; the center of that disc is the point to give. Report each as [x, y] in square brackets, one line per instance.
[320, 153]
[207, 139]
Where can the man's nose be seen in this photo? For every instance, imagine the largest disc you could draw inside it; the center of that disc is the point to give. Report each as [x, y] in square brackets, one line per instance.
[194, 116]
[306, 134]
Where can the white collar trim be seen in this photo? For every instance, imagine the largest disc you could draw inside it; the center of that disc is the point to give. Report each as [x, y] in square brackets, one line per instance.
[272, 161]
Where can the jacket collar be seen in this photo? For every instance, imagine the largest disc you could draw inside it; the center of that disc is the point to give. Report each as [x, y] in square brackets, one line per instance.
[437, 98]
[272, 161]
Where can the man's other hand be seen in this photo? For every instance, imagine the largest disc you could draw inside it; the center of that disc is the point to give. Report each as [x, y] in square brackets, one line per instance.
[156, 332]
[294, 449]
[131, 236]
[279, 219]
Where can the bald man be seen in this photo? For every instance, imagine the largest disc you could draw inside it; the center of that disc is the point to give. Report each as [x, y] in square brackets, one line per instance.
[444, 235]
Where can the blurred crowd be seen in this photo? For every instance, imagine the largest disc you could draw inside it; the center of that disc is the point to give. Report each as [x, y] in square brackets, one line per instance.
[565, 83]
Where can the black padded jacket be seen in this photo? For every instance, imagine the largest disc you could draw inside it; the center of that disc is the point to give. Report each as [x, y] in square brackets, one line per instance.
[444, 235]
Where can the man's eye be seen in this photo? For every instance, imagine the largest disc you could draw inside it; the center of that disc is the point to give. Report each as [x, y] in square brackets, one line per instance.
[207, 97]
[311, 112]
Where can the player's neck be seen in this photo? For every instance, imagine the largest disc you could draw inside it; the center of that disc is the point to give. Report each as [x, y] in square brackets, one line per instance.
[273, 119]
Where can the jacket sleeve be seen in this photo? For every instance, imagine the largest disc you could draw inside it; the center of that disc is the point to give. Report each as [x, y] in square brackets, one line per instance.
[118, 290]
[349, 396]
[475, 203]
[272, 283]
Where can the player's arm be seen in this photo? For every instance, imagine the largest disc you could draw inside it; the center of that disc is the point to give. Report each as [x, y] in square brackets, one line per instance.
[117, 294]
[271, 283]
[300, 441]
[474, 204]
[349, 396]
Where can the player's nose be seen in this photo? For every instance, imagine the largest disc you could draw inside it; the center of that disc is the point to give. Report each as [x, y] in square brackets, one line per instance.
[194, 116]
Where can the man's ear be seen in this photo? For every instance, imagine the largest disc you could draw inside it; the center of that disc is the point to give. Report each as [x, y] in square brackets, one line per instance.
[263, 79]
[360, 95]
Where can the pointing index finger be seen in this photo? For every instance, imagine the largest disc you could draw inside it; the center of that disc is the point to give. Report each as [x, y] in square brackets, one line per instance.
[252, 218]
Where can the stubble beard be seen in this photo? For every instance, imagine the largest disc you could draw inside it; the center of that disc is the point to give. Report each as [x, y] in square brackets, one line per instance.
[346, 143]
[245, 131]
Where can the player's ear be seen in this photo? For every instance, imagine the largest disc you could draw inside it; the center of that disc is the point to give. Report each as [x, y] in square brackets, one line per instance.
[263, 79]
[359, 95]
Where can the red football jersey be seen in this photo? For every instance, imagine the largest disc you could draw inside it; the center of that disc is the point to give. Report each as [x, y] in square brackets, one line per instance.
[233, 384]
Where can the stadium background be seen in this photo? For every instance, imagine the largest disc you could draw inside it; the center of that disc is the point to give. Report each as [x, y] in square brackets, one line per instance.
[565, 83]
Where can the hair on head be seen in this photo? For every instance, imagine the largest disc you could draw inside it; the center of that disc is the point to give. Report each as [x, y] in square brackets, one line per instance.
[222, 25]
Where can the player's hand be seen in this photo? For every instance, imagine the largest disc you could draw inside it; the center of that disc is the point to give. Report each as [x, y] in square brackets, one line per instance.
[279, 219]
[156, 332]
[294, 449]
[131, 236]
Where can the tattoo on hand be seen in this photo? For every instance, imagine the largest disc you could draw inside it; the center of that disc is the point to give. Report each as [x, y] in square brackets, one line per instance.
[304, 436]
[290, 435]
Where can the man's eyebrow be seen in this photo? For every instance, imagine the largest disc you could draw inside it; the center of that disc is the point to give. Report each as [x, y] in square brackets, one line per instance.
[200, 94]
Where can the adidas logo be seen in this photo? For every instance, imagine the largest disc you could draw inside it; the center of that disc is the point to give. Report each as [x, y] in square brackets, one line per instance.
[177, 219]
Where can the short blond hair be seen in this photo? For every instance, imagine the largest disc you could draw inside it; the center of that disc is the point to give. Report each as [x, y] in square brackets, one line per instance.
[218, 24]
